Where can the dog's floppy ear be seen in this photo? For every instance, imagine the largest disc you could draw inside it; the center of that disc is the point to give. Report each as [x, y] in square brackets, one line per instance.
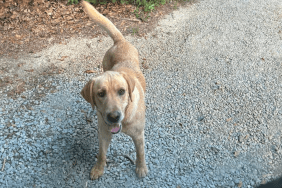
[87, 92]
[131, 84]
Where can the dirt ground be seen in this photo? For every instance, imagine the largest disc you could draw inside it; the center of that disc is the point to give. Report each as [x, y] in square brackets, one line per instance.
[30, 25]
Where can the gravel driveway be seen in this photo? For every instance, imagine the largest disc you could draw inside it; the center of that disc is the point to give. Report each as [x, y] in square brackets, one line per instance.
[213, 100]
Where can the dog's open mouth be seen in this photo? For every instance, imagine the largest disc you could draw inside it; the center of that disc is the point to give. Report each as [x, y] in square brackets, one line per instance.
[116, 129]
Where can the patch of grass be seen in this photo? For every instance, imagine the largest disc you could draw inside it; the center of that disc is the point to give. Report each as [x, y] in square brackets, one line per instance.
[148, 5]
[175, 5]
[140, 13]
[70, 2]
[136, 12]
[135, 31]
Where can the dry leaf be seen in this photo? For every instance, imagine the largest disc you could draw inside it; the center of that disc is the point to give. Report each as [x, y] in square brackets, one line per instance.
[145, 65]
[60, 71]
[49, 12]
[236, 153]
[122, 23]
[106, 11]
[265, 175]
[90, 71]
[31, 70]
[15, 15]
[63, 58]
[20, 64]
[53, 91]
[20, 88]
[63, 43]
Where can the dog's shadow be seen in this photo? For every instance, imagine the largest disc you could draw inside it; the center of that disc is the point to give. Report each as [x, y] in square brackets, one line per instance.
[73, 151]
[83, 145]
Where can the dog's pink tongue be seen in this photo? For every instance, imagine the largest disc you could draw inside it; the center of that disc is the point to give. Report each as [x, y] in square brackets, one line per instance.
[115, 129]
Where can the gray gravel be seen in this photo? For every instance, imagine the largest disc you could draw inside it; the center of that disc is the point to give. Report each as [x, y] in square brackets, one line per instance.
[213, 107]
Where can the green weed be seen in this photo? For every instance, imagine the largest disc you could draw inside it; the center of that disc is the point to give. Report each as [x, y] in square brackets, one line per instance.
[70, 2]
[135, 30]
[148, 5]
[175, 5]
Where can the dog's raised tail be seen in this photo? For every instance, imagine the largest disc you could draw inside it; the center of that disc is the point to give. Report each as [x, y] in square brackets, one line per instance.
[106, 24]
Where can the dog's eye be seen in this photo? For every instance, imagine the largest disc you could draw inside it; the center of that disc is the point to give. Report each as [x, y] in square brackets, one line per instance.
[121, 91]
[102, 94]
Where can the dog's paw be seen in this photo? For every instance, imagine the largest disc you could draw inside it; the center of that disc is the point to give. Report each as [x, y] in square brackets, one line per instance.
[96, 173]
[141, 171]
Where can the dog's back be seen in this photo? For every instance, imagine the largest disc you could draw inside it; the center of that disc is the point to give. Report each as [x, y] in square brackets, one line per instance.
[122, 55]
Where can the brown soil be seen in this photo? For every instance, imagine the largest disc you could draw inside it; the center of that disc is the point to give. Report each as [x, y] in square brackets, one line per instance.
[27, 26]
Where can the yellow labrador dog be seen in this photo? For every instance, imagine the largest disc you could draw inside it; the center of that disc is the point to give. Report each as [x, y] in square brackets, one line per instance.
[118, 95]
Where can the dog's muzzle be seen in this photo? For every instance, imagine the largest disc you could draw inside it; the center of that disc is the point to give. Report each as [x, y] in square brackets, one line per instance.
[114, 117]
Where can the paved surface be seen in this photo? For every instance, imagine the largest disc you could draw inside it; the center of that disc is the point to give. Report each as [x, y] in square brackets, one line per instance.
[213, 106]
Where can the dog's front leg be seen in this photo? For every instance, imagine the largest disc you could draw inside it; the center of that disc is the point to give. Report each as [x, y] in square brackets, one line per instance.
[141, 168]
[104, 141]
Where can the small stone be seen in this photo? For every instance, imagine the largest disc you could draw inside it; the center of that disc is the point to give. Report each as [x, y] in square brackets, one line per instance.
[237, 181]
[236, 153]
[240, 139]
[201, 118]
[240, 184]
[178, 117]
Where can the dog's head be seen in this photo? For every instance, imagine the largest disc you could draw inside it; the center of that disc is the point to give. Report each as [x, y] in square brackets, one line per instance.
[110, 93]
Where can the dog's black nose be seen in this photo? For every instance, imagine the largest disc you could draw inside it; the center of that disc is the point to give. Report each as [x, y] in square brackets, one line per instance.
[113, 117]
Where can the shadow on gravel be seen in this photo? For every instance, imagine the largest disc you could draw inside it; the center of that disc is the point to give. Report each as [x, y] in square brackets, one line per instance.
[69, 156]
[273, 184]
